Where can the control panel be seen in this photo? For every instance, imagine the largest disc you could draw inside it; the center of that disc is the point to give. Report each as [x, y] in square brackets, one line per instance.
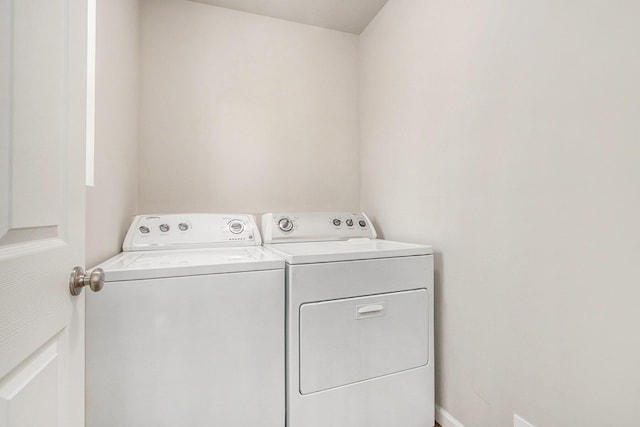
[191, 231]
[284, 227]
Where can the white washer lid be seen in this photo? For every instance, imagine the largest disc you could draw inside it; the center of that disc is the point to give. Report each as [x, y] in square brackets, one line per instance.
[346, 250]
[189, 262]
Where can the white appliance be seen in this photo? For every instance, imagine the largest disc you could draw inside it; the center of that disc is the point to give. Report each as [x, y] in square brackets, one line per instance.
[359, 332]
[189, 327]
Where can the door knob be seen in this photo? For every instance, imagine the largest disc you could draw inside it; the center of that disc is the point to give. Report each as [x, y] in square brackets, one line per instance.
[79, 280]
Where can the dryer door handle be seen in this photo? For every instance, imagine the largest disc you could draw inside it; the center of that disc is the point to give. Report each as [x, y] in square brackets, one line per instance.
[370, 308]
[365, 311]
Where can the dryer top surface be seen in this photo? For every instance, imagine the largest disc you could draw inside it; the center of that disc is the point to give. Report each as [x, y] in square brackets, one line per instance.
[346, 250]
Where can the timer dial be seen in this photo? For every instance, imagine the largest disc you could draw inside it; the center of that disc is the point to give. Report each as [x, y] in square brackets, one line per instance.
[236, 227]
[285, 224]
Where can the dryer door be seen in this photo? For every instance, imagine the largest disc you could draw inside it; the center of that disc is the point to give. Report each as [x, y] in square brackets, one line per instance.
[349, 340]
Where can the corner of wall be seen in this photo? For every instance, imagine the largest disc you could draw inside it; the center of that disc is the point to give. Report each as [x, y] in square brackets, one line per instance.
[445, 419]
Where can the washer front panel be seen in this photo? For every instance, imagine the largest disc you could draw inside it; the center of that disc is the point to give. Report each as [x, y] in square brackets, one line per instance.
[190, 351]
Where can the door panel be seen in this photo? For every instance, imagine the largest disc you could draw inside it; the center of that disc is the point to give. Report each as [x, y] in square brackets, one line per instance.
[42, 136]
[35, 380]
[38, 113]
[355, 339]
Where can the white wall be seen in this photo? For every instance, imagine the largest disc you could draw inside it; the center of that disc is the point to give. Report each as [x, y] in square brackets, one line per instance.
[241, 112]
[507, 134]
[112, 202]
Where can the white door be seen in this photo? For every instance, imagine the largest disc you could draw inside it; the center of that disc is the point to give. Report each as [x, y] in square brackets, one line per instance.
[42, 134]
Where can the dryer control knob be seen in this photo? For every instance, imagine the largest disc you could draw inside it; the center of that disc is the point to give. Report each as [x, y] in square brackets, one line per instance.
[164, 227]
[337, 222]
[144, 229]
[285, 224]
[349, 222]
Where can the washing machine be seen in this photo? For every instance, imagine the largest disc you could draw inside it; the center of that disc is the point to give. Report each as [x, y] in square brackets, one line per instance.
[189, 327]
[359, 322]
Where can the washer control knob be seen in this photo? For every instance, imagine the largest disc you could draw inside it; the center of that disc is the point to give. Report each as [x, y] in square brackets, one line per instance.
[183, 226]
[144, 229]
[285, 224]
[349, 222]
[236, 227]
[164, 228]
[362, 223]
[337, 222]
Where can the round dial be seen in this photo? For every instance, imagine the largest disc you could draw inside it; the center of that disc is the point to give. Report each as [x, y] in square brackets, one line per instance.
[285, 224]
[144, 229]
[236, 227]
[337, 222]
[362, 223]
[349, 222]
[183, 226]
[164, 227]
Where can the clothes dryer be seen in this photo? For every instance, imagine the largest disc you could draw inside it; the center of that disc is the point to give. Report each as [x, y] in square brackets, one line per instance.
[189, 327]
[359, 319]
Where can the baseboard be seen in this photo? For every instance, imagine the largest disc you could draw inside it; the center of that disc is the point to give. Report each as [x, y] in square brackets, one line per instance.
[445, 419]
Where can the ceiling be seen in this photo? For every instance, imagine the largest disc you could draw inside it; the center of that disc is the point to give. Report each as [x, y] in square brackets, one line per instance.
[351, 16]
